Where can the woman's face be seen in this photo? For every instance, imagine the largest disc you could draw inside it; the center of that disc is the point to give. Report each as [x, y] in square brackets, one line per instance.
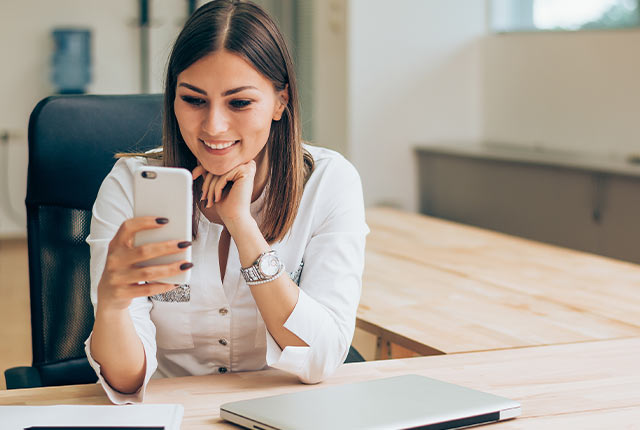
[224, 109]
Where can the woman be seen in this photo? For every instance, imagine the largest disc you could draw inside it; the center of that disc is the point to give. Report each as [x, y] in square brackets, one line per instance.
[231, 117]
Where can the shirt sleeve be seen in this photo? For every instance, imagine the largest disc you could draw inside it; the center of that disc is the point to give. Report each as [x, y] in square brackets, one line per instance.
[330, 283]
[114, 205]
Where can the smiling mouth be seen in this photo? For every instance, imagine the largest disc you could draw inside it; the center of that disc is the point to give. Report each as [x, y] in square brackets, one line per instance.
[219, 145]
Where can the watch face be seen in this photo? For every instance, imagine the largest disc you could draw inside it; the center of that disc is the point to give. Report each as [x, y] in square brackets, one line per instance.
[269, 265]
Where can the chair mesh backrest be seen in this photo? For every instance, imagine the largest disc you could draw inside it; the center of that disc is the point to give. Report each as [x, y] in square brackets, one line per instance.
[64, 260]
[72, 142]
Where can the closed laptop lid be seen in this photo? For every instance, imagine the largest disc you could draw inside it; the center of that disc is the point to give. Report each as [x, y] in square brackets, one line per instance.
[400, 402]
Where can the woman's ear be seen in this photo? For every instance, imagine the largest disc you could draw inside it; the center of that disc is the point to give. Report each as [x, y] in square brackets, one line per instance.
[281, 103]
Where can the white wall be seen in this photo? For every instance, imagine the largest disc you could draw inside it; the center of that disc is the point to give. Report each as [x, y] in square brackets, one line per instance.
[330, 74]
[577, 91]
[387, 75]
[27, 47]
[413, 76]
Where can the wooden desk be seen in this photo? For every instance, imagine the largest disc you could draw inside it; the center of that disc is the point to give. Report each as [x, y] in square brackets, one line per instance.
[590, 385]
[434, 286]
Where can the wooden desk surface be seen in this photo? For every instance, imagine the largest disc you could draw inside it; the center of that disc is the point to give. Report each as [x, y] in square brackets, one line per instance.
[435, 286]
[589, 385]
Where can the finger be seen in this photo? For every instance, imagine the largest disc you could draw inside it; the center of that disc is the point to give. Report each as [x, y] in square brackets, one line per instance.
[210, 192]
[228, 179]
[198, 171]
[150, 289]
[128, 229]
[219, 187]
[153, 250]
[206, 185]
[150, 273]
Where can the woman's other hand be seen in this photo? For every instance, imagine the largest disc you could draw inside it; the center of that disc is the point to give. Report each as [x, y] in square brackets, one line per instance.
[230, 193]
[122, 278]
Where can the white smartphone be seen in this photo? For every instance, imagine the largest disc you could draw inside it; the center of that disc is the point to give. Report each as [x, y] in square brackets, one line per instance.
[165, 192]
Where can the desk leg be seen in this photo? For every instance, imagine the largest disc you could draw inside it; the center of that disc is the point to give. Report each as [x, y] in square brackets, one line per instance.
[383, 349]
[392, 345]
[386, 349]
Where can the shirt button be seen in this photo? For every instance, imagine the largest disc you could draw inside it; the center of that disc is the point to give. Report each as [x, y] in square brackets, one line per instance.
[223, 311]
[223, 341]
[222, 370]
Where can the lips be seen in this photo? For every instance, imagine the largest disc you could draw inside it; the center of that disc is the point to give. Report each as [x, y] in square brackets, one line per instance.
[219, 144]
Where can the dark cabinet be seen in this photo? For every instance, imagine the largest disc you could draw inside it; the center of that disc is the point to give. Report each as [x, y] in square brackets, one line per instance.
[576, 201]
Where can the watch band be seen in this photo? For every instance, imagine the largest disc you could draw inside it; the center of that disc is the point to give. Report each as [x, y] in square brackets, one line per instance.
[254, 276]
[274, 277]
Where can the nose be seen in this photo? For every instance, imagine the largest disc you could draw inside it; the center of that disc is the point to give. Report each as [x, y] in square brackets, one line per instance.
[215, 121]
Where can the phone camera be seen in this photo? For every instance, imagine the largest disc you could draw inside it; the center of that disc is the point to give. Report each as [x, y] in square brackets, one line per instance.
[148, 175]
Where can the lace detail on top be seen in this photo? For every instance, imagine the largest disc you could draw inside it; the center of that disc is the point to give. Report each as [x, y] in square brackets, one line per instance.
[179, 294]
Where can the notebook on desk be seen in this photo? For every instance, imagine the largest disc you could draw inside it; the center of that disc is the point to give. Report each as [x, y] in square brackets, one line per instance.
[401, 402]
[148, 417]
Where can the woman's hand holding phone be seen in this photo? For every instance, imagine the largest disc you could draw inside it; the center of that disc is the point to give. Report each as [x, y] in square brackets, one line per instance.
[122, 276]
[231, 192]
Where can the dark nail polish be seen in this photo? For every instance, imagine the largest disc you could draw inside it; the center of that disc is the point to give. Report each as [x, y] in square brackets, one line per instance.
[162, 220]
[186, 266]
[184, 244]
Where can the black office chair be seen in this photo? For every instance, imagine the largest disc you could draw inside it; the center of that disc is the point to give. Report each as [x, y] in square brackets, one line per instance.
[72, 141]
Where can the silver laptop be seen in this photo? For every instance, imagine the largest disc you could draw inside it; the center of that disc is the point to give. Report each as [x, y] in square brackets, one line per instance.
[401, 402]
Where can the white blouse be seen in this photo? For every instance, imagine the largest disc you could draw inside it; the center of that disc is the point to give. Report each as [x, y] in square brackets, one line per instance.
[211, 326]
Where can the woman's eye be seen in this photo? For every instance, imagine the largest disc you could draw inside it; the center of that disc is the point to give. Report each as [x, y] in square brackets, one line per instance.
[239, 104]
[194, 101]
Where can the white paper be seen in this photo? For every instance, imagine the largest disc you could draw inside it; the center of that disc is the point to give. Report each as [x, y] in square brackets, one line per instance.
[168, 416]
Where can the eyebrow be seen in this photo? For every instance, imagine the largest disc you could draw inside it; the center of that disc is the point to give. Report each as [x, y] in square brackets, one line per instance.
[224, 94]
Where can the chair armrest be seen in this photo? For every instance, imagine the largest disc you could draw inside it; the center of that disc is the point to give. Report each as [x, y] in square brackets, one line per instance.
[22, 377]
[67, 372]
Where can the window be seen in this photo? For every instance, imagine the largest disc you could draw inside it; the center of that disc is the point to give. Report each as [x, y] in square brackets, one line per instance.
[560, 15]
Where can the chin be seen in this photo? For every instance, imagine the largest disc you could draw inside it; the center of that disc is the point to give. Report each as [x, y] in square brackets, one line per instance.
[218, 168]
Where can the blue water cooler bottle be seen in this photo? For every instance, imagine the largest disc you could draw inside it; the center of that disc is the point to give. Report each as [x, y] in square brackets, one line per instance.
[71, 62]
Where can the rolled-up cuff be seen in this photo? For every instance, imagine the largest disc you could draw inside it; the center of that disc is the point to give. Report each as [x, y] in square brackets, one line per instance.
[292, 359]
[307, 321]
[115, 396]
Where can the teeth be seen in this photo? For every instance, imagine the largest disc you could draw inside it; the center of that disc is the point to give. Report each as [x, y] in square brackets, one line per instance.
[219, 146]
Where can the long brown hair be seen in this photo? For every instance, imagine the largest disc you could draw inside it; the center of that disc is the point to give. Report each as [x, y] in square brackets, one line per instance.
[245, 29]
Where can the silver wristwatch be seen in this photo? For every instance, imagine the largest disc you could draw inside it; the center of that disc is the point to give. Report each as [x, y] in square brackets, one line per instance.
[265, 269]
